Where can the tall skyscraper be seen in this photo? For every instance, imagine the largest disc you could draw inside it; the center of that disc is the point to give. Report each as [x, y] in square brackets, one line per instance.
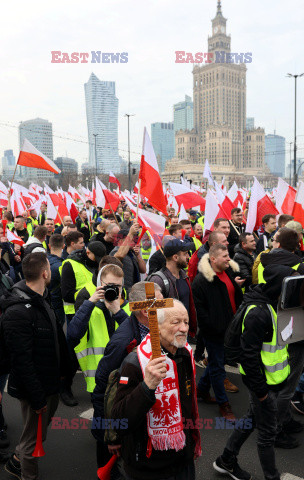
[162, 137]
[183, 114]
[275, 154]
[102, 119]
[40, 133]
[219, 131]
[8, 164]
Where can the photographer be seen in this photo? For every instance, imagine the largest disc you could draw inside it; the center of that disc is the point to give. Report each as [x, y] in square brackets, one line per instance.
[91, 328]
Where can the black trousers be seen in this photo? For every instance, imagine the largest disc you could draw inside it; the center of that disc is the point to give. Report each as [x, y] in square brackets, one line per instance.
[263, 416]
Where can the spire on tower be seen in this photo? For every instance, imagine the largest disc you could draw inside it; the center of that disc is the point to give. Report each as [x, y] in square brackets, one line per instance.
[219, 7]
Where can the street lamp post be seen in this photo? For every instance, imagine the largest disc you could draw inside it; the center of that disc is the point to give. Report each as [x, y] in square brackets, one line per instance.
[95, 138]
[129, 160]
[290, 75]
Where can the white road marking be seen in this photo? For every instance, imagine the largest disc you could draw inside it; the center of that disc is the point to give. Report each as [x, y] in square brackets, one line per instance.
[289, 476]
[88, 414]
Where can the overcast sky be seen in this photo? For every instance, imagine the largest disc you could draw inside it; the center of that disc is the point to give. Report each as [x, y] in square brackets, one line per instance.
[151, 82]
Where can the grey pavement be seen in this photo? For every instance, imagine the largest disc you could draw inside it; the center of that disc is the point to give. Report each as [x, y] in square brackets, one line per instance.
[70, 453]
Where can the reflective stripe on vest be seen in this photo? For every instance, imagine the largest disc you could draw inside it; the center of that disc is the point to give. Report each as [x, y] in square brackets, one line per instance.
[274, 357]
[82, 276]
[91, 347]
[197, 243]
[261, 272]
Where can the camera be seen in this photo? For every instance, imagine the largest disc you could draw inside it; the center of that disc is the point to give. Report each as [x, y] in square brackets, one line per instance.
[111, 292]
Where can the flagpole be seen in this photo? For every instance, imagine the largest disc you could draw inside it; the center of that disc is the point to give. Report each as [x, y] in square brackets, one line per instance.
[138, 195]
[9, 207]
[113, 214]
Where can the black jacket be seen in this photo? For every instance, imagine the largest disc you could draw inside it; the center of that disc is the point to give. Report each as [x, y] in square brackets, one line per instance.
[245, 261]
[84, 228]
[157, 261]
[213, 308]
[68, 281]
[279, 256]
[233, 237]
[264, 238]
[258, 328]
[161, 464]
[125, 338]
[36, 345]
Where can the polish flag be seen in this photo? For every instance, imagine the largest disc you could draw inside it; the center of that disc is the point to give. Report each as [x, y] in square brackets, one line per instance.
[72, 208]
[17, 203]
[212, 211]
[259, 205]
[3, 199]
[151, 185]
[29, 156]
[113, 179]
[285, 197]
[3, 188]
[183, 215]
[224, 201]
[13, 238]
[135, 190]
[298, 208]
[207, 174]
[112, 200]
[187, 197]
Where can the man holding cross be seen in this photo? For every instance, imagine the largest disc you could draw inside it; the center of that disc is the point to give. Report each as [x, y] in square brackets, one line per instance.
[162, 439]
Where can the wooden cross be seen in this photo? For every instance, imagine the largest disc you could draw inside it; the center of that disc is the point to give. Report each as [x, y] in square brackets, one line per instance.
[152, 305]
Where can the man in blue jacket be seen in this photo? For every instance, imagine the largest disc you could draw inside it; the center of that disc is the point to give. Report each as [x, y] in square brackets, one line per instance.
[129, 335]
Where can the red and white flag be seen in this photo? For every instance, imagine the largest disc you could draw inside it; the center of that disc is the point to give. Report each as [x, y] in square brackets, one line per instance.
[29, 156]
[187, 197]
[112, 200]
[298, 208]
[151, 184]
[13, 238]
[212, 211]
[259, 205]
[224, 201]
[113, 179]
[285, 197]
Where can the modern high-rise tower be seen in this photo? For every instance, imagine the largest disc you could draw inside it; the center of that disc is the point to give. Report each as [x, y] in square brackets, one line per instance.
[102, 119]
[40, 133]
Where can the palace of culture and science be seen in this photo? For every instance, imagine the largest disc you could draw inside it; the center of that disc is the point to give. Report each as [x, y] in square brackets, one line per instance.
[219, 133]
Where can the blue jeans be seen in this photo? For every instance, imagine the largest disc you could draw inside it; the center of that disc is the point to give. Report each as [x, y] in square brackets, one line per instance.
[300, 387]
[215, 374]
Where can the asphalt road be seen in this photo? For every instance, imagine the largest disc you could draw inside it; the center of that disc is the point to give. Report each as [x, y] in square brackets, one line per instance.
[70, 454]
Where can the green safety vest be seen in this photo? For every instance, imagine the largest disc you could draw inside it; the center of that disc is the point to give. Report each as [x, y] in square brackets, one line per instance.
[10, 226]
[261, 271]
[201, 221]
[91, 347]
[146, 253]
[29, 227]
[274, 357]
[197, 243]
[82, 277]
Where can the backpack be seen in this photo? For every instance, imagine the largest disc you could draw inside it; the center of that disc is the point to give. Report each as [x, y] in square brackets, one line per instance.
[6, 284]
[232, 340]
[111, 435]
[160, 274]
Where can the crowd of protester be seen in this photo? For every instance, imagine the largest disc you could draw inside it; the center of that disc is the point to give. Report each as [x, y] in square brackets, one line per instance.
[65, 293]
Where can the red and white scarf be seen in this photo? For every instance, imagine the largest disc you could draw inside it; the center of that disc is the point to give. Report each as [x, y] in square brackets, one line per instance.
[164, 419]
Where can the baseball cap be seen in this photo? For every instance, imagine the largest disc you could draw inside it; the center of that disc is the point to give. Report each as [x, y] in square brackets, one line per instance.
[193, 212]
[176, 245]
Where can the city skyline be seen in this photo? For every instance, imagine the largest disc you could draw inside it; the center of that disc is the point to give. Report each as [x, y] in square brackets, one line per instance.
[150, 83]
